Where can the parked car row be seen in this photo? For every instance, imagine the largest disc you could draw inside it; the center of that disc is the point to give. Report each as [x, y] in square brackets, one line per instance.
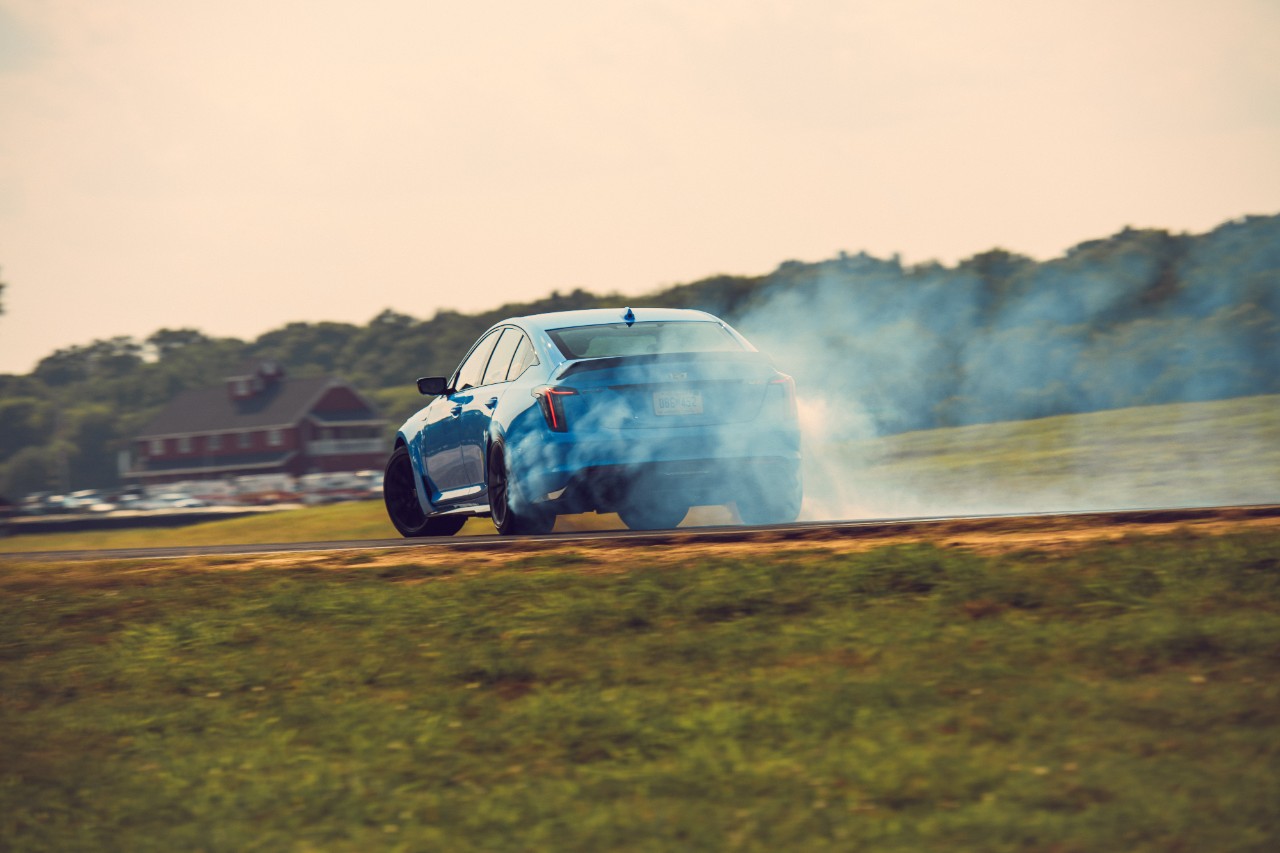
[95, 501]
[48, 503]
[195, 494]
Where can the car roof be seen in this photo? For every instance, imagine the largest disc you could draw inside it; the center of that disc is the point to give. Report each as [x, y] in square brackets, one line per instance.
[603, 316]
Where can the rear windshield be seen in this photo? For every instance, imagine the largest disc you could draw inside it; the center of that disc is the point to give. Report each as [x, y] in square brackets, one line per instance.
[643, 339]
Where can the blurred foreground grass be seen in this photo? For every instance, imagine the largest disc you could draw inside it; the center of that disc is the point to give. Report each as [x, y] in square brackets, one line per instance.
[1125, 697]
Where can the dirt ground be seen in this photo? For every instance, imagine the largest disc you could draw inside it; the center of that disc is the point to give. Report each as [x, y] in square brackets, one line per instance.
[1048, 533]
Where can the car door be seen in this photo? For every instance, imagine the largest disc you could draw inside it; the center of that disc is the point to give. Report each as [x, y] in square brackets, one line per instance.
[473, 428]
[438, 448]
[442, 450]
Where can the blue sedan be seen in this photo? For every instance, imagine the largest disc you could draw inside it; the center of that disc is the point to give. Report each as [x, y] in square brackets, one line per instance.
[643, 412]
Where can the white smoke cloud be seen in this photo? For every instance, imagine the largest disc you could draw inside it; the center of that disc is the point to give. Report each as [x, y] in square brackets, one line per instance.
[879, 351]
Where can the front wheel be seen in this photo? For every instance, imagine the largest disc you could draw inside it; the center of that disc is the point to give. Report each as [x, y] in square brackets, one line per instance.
[401, 499]
[512, 515]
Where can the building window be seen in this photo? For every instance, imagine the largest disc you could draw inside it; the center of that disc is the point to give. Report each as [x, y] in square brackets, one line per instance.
[213, 442]
[157, 447]
[244, 439]
[275, 437]
[184, 444]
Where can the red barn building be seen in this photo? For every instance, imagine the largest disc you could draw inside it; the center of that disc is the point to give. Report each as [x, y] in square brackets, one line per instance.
[260, 423]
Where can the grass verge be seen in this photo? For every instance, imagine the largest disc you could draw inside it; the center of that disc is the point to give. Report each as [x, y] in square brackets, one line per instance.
[362, 520]
[1125, 696]
[1219, 453]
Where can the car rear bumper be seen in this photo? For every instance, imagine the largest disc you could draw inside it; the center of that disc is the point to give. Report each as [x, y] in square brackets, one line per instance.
[579, 473]
[694, 482]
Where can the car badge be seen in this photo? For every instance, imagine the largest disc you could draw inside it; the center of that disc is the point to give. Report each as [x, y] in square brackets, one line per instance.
[676, 377]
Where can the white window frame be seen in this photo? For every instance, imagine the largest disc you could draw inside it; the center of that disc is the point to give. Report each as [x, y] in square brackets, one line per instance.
[275, 438]
[213, 441]
[184, 444]
[156, 447]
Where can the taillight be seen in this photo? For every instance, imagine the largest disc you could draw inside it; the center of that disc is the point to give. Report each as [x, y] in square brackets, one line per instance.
[789, 388]
[551, 399]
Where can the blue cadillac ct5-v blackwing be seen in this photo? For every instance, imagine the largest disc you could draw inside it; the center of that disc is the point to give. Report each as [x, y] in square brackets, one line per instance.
[642, 412]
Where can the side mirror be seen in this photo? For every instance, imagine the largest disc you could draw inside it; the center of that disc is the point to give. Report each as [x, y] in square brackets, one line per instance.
[432, 386]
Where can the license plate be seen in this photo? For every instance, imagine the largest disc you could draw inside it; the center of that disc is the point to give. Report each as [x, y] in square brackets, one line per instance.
[677, 402]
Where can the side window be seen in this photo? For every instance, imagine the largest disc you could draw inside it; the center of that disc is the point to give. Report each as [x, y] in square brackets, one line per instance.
[523, 358]
[471, 372]
[497, 371]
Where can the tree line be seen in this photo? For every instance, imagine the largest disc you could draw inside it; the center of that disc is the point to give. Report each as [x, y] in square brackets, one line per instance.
[1141, 317]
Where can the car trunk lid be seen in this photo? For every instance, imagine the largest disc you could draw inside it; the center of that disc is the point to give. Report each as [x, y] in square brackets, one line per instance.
[664, 390]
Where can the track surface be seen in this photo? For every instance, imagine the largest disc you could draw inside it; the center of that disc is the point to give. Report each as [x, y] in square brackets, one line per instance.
[801, 531]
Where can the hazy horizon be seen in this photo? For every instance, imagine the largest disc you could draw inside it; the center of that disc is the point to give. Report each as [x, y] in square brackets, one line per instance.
[239, 166]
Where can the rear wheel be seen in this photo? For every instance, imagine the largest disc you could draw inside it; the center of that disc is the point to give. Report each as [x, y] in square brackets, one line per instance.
[652, 515]
[401, 499]
[512, 515]
[776, 502]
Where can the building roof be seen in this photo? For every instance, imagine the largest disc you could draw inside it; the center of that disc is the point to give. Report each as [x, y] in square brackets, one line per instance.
[212, 410]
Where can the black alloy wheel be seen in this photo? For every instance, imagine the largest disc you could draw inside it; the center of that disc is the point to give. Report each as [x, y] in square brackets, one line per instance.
[401, 499]
[651, 515]
[772, 503]
[510, 513]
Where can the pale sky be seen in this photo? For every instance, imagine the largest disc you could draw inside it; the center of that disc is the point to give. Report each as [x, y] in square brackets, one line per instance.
[237, 165]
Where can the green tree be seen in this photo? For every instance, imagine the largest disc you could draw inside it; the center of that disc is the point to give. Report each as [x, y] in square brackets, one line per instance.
[91, 435]
[31, 469]
[306, 348]
[99, 360]
[168, 342]
[23, 421]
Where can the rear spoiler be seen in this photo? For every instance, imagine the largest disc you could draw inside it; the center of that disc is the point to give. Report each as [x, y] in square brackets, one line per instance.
[583, 365]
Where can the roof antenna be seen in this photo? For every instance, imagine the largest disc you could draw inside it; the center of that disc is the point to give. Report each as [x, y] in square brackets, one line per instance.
[630, 317]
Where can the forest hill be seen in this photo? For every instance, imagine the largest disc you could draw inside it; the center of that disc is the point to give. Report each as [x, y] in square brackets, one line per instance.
[1141, 317]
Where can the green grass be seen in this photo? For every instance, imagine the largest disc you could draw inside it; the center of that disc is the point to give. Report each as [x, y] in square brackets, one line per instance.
[1187, 454]
[911, 698]
[336, 522]
[359, 520]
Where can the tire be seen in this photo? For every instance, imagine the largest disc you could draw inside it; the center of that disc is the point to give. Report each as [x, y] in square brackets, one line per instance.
[652, 516]
[512, 515]
[401, 499]
[776, 503]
